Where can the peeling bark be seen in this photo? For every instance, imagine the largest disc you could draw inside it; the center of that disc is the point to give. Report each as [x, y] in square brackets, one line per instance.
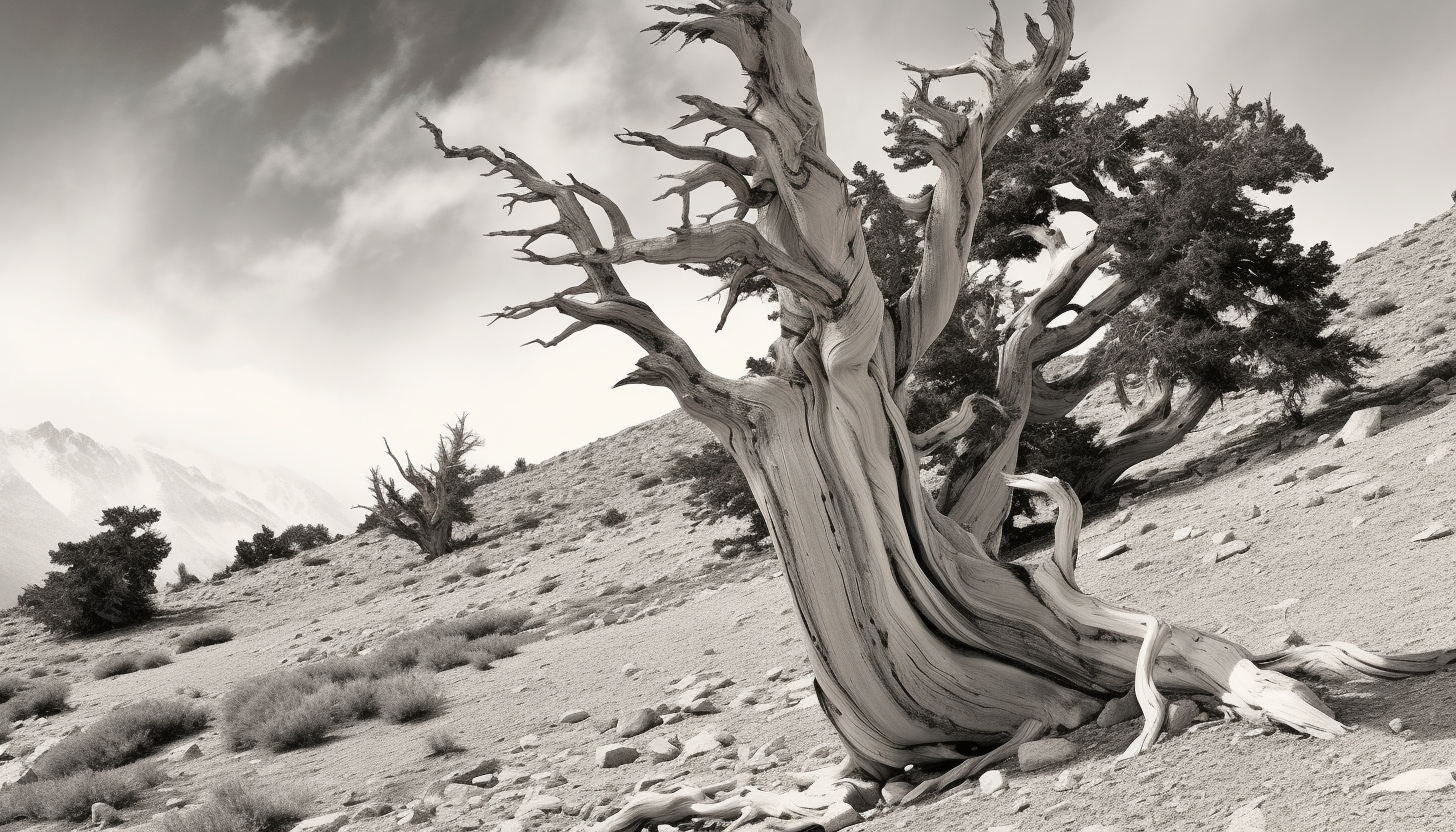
[1154, 430]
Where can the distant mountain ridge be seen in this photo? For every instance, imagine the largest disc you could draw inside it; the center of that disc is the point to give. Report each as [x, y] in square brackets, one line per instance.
[54, 483]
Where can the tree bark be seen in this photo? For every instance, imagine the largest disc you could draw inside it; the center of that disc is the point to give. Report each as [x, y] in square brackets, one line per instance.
[921, 641]
[1147, 436]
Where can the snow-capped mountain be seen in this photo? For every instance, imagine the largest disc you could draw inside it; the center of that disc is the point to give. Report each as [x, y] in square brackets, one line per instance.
[55, 482]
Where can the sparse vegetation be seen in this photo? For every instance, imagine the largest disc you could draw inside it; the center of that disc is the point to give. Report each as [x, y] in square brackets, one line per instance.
[234, 807]
[109, 578]
[185, 578]
[9, 686]
[315, 560]
[476, 568]
[203, 637]
[441, 743]
[44, 699]
[406, 698]
[297, 708]
[123, 663]
[264, 546]
[122, 736]
[450, 578]
[70, 797]
[612, 517]
[649, 482]
[441, 493]
[1377, 308]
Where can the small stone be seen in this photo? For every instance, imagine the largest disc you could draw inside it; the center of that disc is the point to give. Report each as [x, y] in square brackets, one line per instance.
[774, 674]
[821, 751]
[639, 721]
[1182, 534]
[1287, 478]
[1417, 780]
[1119, 710]
[663, 749]
[1181, 714]
[529, 741]
[1226, 551]
[189, 752]
[1121, 517]
[1337, 443]
[1311, 501]
[574, 716]
[1323, 438]
[1248, 818]
[700, 744]
[489, 766]
[1113, 550]
[1255, 513]
[1432, 532]
[1039, 754]
[1314, 472]
[617, 754]
[1375, 492]
[894, 791]
[415, 816]
[630, 669]
[839, 816]
[1223, 537]
[1396, 725]
[1147, 527]
[993, 782]
[1362, 424]
[1066, 781]
[323, 823]
[546, 804]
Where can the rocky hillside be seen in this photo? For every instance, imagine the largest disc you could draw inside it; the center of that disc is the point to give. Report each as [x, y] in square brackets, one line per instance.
[54, 483]
[650, 661]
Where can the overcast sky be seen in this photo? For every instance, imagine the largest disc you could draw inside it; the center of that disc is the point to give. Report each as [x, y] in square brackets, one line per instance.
[223, 232]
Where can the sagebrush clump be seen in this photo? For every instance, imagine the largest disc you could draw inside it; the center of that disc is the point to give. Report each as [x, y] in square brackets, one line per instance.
[235, 807]
[123, 663]
[203, 637]
[71, 797]
[122, 736]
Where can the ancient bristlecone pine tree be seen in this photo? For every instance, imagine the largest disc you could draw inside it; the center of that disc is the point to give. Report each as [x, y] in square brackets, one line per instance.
[924, 646]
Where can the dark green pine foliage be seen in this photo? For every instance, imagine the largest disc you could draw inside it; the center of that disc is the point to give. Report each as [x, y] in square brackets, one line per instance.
[109, 579]
[265, 546]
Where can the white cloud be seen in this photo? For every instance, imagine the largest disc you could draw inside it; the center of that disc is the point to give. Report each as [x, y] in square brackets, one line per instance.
[256, 46]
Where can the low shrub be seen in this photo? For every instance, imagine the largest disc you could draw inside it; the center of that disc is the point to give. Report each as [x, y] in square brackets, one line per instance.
[407, 698]
[9, 686]
[44, 699]
[476, 568]
[234, 807]
[122, 736]
[204, 637]
[612, 517]
[440, 743]
[123, 663]
[315, 560]
[451, 578]
[279, 711]
[70, 797]
[1376, 308]
[649, 482]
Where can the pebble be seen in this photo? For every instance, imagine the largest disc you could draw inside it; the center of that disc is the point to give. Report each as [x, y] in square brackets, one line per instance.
[1182, 534]
[1417, 780]
[1147, 527]
[638, 721]
[1113, 550]
[617, 754]
[1226, 551]
[701, 743]
[1311, 501]
[1066, 781]
[1432, 532]
[1314, 472]
[1119, 710]
[1223, 537]
[574, 716]
[1375, 492]
[1181, 714]
[993, 782]
[1362, 424]
[1397, 725]
[663, 749]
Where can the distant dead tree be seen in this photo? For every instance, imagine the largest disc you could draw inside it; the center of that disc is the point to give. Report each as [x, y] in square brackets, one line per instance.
[441, 493]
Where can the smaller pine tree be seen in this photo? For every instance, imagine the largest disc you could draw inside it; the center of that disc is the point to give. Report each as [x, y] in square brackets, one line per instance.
[264, 546]
[109, 578]
[184, 577]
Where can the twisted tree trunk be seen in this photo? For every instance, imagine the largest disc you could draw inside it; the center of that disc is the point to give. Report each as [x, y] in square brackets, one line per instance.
[1152, 431]
[921, 641]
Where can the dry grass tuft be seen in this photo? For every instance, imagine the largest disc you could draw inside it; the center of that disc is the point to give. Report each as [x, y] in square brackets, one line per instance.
[70, 798]
[123, 663]
[122, 736]
[204, 637]
[44, 699]
[234, 807]
[441, 743]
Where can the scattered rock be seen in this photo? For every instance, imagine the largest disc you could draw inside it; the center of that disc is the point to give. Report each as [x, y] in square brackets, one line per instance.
[1311, 501]
[895, 790]
[1375, 492]
[1255, 513]
[1362, 424]
[1223, 537]
[1248, 818]
[630, 669]
[528, 742]
[323, 823]
[993, 782]
[1147, 527]
[574, 716]
[774, 674]
[1039, 754]
[1067, 781]
[1314, 472]
[617, 754]
[663, 749]
[191, 751]
[1432, 532]
[1113, 550]
[639, 721]
[546, 804]
[1182, 534]
[1226, 551]
[1416, 780]
[416, 815]
[1120, 710]
[701, 743]
[1181, 714]
[1397, 725]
